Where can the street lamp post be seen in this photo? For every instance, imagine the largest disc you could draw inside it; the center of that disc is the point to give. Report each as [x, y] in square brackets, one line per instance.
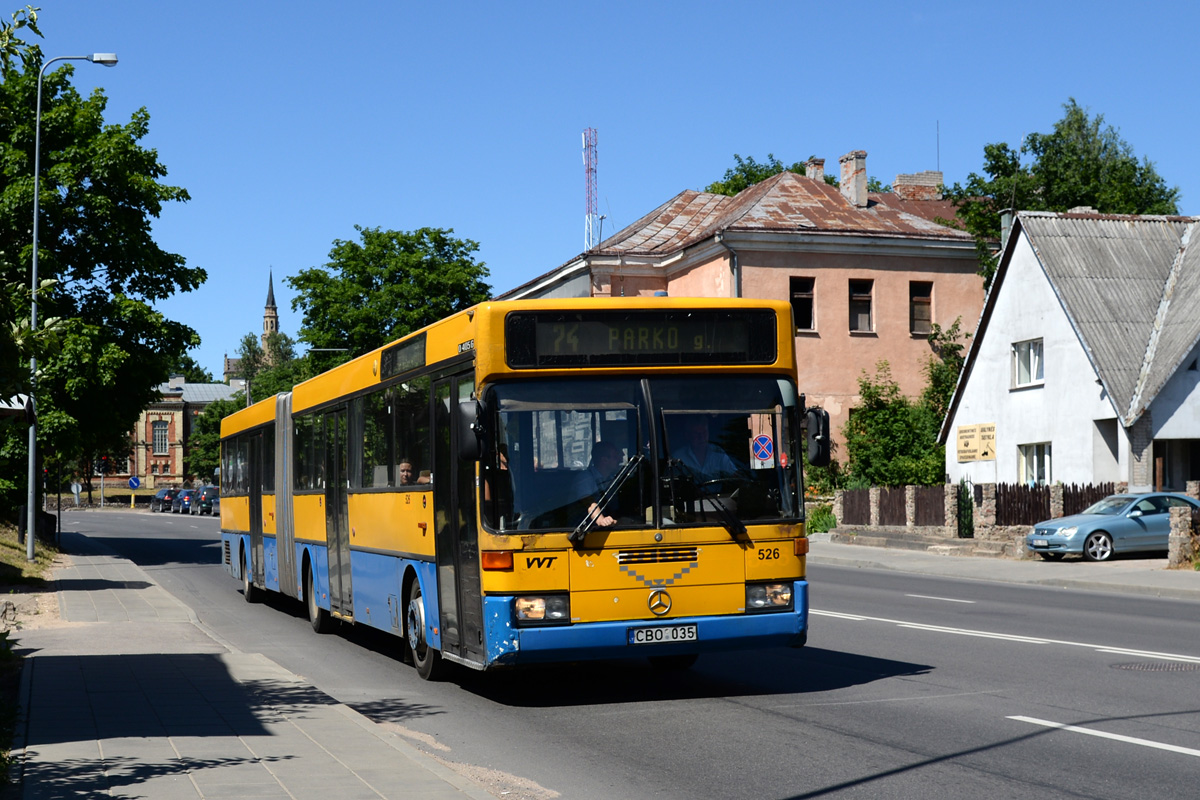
[108, 60]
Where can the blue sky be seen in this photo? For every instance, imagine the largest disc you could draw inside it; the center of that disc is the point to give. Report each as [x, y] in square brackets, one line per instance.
[291, 122]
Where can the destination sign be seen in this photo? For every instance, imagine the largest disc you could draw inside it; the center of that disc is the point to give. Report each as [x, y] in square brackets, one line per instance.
[403, 357]
[544, 339]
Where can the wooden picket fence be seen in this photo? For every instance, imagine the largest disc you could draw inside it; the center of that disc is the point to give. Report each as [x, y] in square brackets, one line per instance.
[1077, 498]
[1029, 505]
[931, 506]
[1021, 505]
[856, 507]
[891, 506]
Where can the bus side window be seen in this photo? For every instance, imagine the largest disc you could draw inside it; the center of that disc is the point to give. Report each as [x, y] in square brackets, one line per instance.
[412, 426]
[378, 439]
[304, 456]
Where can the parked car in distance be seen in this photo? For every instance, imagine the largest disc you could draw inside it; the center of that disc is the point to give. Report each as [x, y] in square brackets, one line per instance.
[163, 498]
[1120, 523]
[207, 500]
[182, 504]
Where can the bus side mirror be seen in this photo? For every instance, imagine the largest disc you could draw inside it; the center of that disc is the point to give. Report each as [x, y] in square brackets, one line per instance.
[470, 429]
[817, 423]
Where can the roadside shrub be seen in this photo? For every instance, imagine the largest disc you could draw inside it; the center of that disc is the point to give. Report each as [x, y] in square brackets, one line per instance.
[820, 519]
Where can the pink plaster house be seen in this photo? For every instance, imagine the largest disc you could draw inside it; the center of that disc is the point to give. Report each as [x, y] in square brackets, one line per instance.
[866, 273]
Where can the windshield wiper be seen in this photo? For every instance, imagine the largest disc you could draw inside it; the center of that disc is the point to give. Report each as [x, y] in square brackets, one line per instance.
[589, 520]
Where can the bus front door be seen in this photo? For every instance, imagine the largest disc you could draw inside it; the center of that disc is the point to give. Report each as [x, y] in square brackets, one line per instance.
[457, 541]
[337, 524]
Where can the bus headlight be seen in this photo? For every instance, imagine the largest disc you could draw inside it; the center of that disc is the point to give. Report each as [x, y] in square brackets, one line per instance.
[545, 609]
[768, 596]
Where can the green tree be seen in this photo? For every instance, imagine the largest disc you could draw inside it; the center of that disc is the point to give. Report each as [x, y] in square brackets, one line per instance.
[273, 370]
[188, 367]
[943, 367]
[748, 172]
[1083, 162]
[203, 454]
[102, 271]
[386, 285]
[890, 440]
[12, 47]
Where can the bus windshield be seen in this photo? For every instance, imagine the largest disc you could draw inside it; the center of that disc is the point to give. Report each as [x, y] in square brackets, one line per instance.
[640, 453]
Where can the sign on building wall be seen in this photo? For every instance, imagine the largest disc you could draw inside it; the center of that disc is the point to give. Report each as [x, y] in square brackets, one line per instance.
[977, 442]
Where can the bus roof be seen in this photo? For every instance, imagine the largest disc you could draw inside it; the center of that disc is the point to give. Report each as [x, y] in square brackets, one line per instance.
[480, 331]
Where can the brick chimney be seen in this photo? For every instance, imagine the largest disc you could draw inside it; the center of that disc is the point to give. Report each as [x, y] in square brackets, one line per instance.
[815, 169]
[854, 177]
[919, 186]
[176, 383]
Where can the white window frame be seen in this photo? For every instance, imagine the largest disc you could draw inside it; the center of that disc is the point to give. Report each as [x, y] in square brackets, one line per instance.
[1035, 464]
[155, 427]
[1028, 363]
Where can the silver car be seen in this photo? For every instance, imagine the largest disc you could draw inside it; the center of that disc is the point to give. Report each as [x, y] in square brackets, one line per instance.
[1120, 523]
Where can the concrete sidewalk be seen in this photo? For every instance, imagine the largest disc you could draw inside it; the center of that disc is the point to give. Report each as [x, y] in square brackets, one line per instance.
[130, 697]
[1140, 575]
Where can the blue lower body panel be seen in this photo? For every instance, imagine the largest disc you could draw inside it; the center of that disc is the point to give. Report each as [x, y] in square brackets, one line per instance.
[508, 644]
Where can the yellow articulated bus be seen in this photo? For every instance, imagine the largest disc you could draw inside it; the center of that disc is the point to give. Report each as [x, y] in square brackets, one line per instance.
[547, 480]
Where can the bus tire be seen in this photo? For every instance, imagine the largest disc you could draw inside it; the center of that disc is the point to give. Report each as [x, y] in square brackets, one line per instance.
[427, 660]
[249, 590]
[317, 617]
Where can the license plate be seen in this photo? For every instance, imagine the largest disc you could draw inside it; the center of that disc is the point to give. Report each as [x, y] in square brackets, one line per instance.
[1040, 543]
[660, 634]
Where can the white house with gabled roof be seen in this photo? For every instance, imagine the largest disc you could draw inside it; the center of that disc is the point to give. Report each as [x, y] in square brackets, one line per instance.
[1084, 366]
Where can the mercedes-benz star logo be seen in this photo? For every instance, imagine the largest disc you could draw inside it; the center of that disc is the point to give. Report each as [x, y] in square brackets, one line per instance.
[659, 602]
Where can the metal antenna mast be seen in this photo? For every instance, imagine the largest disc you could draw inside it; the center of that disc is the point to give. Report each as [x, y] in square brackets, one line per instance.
[591, 219]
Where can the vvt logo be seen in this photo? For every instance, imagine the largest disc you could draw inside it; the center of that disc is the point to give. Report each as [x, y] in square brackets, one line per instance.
[539, 561]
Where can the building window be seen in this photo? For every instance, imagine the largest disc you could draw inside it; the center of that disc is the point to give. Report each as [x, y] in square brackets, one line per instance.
[802, 303]
[160, 437]
[860, 306]
[154, 469]
[920, 307]
[1027, 363]
[1034, 464]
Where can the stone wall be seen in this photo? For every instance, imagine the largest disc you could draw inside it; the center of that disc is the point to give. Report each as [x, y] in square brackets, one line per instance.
[910, 512]
[1183, 545]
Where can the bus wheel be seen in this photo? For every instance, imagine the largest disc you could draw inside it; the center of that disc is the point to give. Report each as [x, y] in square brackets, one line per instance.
[673, 663]
[317, 616]
[427, 660]
[249, 590]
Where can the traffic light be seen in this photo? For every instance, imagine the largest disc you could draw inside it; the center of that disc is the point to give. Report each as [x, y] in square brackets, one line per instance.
[105, 467]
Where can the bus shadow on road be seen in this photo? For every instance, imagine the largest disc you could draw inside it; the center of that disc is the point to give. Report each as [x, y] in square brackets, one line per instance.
[737, 674]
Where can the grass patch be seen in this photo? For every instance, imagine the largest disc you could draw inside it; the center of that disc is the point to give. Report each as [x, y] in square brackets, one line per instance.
[17, 576]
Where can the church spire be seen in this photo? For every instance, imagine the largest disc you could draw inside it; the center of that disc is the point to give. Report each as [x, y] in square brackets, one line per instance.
[270, 313]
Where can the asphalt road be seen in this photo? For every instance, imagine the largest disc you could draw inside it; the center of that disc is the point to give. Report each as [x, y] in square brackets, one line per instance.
[910, 686]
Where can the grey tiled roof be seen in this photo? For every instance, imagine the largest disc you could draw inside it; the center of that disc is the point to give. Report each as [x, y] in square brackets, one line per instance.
[1129, 285]
[199, 392]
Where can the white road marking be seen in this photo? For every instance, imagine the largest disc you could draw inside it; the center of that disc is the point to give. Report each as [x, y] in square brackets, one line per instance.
[965, 632]
[854, 617]
[943, 599]
[1099, 648]
[1187, 751]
